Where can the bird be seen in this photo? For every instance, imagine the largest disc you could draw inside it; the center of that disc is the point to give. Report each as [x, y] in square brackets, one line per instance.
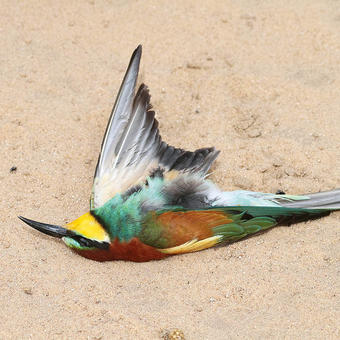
[150, 200]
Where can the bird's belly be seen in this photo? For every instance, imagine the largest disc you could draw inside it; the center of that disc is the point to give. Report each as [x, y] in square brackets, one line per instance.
[134, 250]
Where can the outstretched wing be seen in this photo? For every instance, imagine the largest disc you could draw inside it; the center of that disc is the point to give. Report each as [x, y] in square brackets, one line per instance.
[132, 147]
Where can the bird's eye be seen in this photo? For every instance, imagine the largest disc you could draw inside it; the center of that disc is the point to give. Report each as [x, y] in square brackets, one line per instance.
[84, 242]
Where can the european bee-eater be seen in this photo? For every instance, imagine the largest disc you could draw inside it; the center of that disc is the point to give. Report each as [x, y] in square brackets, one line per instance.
[151, 200]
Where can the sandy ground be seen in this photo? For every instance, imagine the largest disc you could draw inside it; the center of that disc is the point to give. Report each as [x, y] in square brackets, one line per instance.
[260, 80]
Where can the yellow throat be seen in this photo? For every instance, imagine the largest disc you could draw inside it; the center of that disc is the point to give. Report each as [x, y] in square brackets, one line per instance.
[87, 226]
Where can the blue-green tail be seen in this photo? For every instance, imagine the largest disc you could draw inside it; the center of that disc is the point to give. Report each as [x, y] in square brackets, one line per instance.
[248, 220]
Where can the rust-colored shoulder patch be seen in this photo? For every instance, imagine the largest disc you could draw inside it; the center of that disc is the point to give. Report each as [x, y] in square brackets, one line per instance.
[180, 227]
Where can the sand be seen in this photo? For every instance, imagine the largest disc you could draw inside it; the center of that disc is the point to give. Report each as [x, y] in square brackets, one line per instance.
[259, 80]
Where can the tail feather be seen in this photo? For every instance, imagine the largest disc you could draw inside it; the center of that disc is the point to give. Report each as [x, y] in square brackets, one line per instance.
[252, 219]
[321, 200]
[288, 209]
[282, 215]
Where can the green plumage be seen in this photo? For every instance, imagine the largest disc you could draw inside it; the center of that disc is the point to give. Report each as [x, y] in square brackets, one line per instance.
[152, 233]
[250, 220]
[120, 218]
[242, 228]
[123, 217]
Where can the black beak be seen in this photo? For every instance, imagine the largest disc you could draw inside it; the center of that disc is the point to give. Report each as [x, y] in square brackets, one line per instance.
[48, 229]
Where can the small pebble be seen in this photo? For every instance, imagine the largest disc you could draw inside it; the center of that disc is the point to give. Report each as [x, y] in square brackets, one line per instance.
[264, 168]
[175, 334]
[193, 66]
[254, 133]
[277, 162]
[28, 291]
[289, 171]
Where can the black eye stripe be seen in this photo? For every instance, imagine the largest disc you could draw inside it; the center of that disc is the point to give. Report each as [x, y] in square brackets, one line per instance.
[85, 242]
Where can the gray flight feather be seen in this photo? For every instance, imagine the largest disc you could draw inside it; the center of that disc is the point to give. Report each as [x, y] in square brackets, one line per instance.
[326, 199]
[132, 147]
[120, 114]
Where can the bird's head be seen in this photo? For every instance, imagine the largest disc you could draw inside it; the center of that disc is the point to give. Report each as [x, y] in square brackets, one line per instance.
[85, 234]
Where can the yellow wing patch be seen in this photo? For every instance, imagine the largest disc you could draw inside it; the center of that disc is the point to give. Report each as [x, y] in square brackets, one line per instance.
[87, 226]
[193, 245]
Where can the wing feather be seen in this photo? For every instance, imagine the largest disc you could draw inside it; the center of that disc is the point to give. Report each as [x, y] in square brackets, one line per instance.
[132, 147]
[192, 246]
[120, 114]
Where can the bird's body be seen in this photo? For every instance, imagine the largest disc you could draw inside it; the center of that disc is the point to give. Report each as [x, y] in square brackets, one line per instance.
[151, 200]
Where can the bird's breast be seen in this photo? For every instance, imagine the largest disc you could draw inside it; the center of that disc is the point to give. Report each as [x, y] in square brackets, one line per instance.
[133, 250]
